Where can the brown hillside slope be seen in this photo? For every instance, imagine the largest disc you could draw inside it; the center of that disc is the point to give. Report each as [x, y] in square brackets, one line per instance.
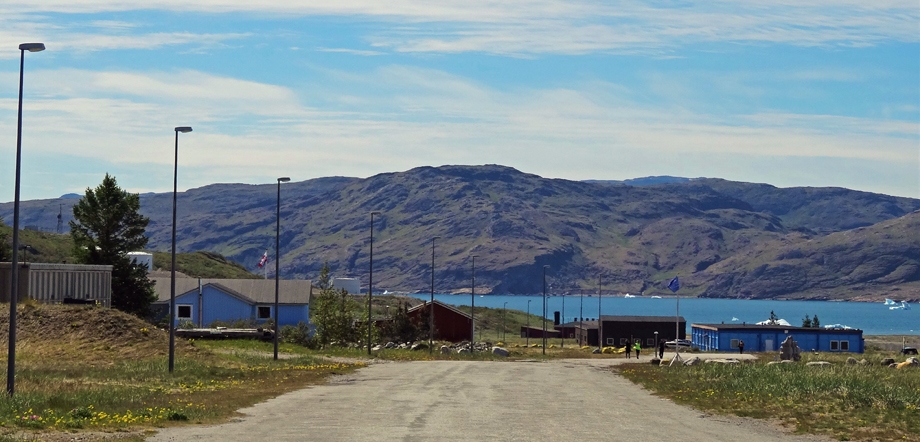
[85, 334]
[867, 263]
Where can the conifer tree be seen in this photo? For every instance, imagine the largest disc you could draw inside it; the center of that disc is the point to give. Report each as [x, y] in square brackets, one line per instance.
[107, 225]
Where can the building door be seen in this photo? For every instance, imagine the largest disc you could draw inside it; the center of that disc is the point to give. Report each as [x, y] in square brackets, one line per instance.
[768, 345]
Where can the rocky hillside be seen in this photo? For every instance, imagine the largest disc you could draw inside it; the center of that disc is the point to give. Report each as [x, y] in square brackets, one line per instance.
[637, 234]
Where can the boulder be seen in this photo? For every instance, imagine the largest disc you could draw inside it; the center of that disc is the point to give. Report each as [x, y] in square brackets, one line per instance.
[852, 361]
[377, 347]
[789, 350]
[774, 363]
[419, 346]
[787, 362]
[887, 361]
[864, 362]
[595, 352]
[500, 351]
[893, 365]
[655, 361]
[692, 361]
[445, 349]
[463, 351]
[390, 344]
[913, 361]
[818, 364]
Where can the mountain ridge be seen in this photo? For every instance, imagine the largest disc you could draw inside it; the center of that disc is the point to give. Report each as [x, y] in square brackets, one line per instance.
[635, 235]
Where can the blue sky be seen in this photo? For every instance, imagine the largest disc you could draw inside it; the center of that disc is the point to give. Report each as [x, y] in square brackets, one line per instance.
[826, 94]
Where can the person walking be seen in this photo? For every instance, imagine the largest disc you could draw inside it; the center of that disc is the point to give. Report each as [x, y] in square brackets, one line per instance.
[661, 349]
[629, 349]
[637, 347]
[741, 347]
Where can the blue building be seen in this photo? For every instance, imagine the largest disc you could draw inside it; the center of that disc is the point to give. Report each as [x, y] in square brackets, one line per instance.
[765, 338]
[204, 301]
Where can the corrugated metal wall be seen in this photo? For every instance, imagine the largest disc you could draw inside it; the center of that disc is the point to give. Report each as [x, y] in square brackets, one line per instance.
[52, 283]
[5, 281]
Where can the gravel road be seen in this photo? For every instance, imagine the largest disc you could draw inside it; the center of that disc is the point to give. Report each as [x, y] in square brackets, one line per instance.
[574, 400]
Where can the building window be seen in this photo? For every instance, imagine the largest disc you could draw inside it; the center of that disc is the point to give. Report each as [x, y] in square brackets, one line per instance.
[623, 341]
[184, 312]
[610, 341]
[835, 346]
[264, 312]
[734, 343]
[844, 345]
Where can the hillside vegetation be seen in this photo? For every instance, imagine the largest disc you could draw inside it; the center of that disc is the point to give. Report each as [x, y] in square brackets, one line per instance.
[37, 246]
[723, 238]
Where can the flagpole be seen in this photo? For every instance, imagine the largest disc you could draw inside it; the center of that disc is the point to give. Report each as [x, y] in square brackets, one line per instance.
[674, 286]
[677, 329]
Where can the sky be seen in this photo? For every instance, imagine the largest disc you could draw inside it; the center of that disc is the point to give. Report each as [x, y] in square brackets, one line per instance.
[790, 93]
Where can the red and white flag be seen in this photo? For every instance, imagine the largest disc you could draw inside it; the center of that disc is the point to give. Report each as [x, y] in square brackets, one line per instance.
[264, 259]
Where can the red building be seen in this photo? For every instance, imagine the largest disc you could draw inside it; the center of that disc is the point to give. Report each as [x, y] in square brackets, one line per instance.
[450, 324]
[535, 332]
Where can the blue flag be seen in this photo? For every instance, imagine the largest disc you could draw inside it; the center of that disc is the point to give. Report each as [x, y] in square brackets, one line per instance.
[674, 285]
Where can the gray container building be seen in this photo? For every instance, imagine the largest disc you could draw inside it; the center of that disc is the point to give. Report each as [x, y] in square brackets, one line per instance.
[53, 283]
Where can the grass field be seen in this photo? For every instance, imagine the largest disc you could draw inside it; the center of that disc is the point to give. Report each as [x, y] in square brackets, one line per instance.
[848, 402]
[101, 370]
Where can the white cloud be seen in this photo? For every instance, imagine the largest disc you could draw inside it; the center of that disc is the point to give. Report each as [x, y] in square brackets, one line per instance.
[250, 131]
[351, 51]
[99, 35]
[557, 26]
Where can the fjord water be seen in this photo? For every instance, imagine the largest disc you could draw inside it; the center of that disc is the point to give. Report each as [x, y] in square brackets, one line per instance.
[872, 318]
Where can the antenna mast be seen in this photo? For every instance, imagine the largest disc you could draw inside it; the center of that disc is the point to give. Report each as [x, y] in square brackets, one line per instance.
[60, 224]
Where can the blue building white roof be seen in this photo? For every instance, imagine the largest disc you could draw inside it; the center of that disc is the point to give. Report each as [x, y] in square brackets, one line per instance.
[766, 338]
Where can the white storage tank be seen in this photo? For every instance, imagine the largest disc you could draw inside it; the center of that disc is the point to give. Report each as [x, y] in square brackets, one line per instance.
[350, 285]
[142, 258]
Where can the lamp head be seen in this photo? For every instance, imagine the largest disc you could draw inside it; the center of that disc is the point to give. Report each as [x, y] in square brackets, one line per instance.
[546, 266]
[32, 47]
[284, 179]
[184, 129]
[375, 212]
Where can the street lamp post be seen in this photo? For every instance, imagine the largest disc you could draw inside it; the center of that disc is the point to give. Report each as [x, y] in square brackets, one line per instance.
[370, 284]
[431, 304]
[581, 319]
[277, 259]
[504, 315]
[528, 325]
[172, 273]
[14, 264]
[655, 348]
[562, 344]
[544, 308]
[473, 303]
[600, 334]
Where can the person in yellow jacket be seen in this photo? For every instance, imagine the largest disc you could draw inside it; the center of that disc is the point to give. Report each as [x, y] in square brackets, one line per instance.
[637, 346]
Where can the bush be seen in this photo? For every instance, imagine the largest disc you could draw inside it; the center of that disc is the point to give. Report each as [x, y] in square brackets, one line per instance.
[301, 334]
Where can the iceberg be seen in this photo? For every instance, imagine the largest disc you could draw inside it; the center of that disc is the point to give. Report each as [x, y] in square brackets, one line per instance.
[734, 319]
[890, 302]
[776, 322]
[629, 296]
[838, 327]
[903, 306]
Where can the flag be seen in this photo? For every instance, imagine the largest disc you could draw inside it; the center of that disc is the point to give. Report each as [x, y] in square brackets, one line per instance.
[264, 259]
[674, 285]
